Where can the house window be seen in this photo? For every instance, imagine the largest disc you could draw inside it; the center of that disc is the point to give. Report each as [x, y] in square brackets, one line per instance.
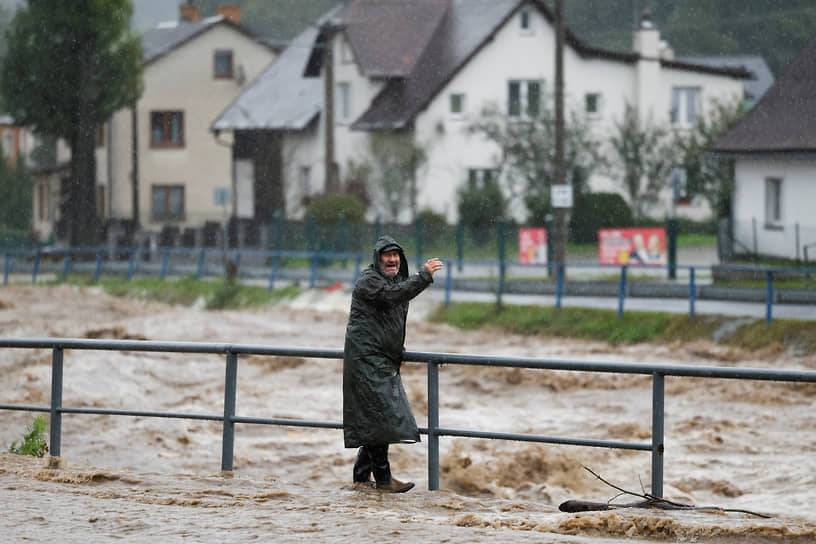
[773, 202]
[343, 105]
[167, 129]
[685, 106]
[524, 98]
[168, 201]
[305, 175]
[223, 64]
[457, 105]
[479, 177]
[525, 21]
[592, 105]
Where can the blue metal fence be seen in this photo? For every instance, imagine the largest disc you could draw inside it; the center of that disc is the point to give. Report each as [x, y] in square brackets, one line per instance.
[434, 360]
[314, 266]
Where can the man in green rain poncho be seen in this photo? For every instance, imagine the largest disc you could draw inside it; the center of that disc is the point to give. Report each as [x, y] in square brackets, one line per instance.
[376, 411]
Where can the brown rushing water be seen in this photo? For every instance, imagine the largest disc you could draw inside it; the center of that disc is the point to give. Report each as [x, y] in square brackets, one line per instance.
[730, 444]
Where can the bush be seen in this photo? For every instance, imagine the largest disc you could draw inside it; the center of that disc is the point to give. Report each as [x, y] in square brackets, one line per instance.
[331, 209]
[434, 225]
[34, 441]
[594, 211]
[480, 205]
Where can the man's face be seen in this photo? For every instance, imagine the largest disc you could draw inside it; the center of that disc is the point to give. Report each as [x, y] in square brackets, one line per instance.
[390, 262]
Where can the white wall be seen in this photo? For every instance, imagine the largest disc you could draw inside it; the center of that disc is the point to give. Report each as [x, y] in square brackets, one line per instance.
[797, 204]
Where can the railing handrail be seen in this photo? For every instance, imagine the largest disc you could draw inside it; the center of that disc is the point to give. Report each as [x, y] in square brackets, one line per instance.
[432, 359]
[222, 348]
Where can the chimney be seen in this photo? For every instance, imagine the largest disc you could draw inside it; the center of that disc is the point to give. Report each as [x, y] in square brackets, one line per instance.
[230, 12]
[190, 12]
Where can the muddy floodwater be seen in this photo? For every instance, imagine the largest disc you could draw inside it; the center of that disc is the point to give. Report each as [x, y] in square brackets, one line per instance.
[739, 447]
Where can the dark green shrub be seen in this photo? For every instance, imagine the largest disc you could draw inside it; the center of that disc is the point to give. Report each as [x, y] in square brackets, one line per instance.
[480, 205]
[594, 211]
[331, 209]
[434, 225]
[34, 441]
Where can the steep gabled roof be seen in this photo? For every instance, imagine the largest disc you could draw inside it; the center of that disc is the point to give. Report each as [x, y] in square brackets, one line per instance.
[783, 120]
[389, 36]
[166, 37]
[467, 26]
[280, 98]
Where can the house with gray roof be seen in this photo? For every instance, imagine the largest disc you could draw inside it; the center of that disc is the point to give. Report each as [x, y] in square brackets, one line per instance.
[428, 69]
[159, 167]
[774, 147]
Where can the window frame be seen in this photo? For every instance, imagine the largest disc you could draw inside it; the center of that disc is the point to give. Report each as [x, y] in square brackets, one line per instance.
[522, 99]
[230, 73]
[773, 202]
[679, 111]
[166, 141]
[597, 98]
[343, 106]
[166, 214]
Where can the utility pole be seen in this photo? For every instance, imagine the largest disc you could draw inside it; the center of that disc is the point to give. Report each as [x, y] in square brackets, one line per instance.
[330, 166]
[560, 206]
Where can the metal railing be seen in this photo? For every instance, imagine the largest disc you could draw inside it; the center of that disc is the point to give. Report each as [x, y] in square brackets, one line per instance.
[229, 418]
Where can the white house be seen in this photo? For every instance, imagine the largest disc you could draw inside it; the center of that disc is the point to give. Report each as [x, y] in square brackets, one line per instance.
[430, 67]
[774, 147]
[159, 163]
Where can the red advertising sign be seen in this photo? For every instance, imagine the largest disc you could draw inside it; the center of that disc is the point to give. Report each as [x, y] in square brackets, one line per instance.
[533, 245]
[632, 246]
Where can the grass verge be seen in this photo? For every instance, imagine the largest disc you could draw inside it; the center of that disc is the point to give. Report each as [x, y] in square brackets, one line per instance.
[631, 328]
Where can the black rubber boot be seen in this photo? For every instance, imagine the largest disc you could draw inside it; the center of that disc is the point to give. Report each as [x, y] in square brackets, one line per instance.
[362, 466]
[382, 471]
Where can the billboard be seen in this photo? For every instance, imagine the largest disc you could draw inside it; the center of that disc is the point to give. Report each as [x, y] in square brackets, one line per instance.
[533, 245]
[632, 246]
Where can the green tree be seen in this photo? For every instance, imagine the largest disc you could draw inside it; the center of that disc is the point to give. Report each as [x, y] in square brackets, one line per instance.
[69, 67]
[15, 186]
[527, 154]
[394, 159]
[708, 174]
[640, 161]
[480, 203]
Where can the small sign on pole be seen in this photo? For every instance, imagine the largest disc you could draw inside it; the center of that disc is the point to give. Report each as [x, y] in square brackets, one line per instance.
[561, 196]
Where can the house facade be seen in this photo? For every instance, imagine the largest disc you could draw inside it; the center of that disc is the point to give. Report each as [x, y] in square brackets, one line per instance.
[159, 167]
[774, 147]
[429, 68]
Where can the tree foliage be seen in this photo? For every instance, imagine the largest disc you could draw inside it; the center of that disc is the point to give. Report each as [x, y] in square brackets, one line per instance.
[69, 67]
[527, 154]
[15, 186]
[708, 174]
[392, 164]
[480, 204]
[640, 159]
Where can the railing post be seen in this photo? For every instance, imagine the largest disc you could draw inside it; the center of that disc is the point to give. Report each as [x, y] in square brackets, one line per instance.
[164, 264]
[131, 263]
[433, 425]
[55, 423]
[274, 271]
[66, 265]
[559, 285]
[36, 269]
[200, 266]
[658, 392]
[692, 292]
[622, 290]
[98, 268]
[768, 295]
[228, 438]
